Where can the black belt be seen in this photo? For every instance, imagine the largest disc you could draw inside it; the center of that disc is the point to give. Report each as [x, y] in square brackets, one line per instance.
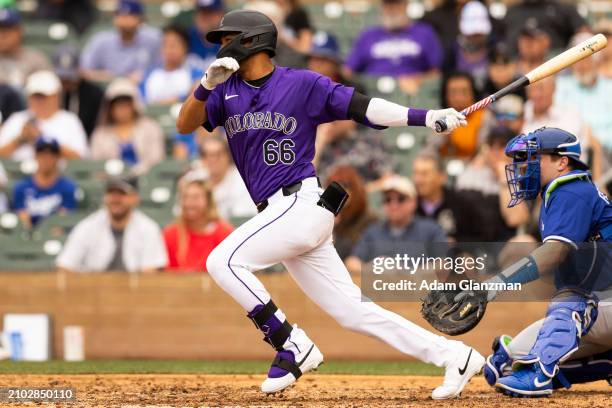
[287, 191]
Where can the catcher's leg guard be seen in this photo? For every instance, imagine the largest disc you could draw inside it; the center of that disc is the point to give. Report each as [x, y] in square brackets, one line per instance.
[570, 316]
[499, 360]
[594, 368]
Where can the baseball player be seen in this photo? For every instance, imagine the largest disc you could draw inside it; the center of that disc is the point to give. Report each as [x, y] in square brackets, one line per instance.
[573, 343]
[270, 115]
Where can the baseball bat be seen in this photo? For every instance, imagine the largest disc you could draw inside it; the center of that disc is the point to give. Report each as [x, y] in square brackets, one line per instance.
[550, 67]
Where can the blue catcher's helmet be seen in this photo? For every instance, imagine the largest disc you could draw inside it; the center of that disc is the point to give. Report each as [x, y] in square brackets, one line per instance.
[523, 174]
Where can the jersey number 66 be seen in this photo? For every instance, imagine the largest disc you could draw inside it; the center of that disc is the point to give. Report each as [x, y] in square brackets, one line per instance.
[275, 152]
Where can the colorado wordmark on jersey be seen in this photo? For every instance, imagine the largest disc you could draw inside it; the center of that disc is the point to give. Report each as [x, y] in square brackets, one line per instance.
[271, 129]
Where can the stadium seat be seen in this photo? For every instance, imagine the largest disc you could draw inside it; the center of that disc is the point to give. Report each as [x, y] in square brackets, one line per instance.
[86, 170]
[162, 216]
[58, 226]
[166, 172]
[89, 194]
[22, 255]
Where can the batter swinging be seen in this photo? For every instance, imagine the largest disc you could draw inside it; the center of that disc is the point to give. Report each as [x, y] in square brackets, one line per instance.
[270, 115]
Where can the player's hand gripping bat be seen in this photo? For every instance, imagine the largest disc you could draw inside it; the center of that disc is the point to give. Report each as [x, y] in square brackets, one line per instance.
[550, 67]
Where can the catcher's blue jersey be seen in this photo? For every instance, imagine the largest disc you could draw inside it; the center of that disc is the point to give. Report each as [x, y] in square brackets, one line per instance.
[575, 211]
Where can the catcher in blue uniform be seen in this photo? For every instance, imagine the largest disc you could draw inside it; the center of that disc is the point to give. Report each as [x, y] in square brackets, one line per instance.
[573, 343]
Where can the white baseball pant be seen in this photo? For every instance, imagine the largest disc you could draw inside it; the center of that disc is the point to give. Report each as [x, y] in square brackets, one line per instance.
[297, 232]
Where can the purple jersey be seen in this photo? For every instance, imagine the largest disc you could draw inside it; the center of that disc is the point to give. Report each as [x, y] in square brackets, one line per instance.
[412, 50]
[271, 130]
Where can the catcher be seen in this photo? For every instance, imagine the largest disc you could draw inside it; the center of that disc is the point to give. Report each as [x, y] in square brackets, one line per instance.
[576, 227]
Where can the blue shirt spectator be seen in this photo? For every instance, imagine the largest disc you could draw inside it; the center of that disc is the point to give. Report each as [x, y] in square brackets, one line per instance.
[207, 16]
[401, 232]
[47, 191]
[128, 51]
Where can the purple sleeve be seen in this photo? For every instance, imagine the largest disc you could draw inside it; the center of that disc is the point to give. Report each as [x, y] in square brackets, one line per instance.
[327, 100]
[434, 53]
[355, 60]
[214, 109]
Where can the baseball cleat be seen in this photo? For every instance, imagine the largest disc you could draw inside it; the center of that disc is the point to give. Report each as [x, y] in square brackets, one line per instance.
[458, 373]
[499, 360]
[527, 382]
[299, 356]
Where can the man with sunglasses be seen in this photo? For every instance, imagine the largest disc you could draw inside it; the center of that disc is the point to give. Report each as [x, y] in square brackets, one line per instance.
[576, 229]
[270, 114]
[400, 231]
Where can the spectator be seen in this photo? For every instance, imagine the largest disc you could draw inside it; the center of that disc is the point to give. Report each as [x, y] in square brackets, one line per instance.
[324, 57]
[605, 68]
[560, 19]
[45, 192]
[401, 232]
[450, 209]
[79, 96]
[117, 237]
[286, 55]
[297, 22]
[483, 182]
[128, 50]
[445, 20]
[533, 46]
[459, 92]
[346, 143]
[198, 229]
[16, 61]
[502, 71]
[356, 215]
[590, 93]
[470, 52]
[80, 14]
[174, 78]
[541, 110]
[10, 102]
[231, 195]
[43, 117]
[124, 132]
[407, 50]
[509, 112]
[205, 17]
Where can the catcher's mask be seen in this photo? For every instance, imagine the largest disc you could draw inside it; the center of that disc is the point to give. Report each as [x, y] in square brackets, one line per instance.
[252, 28]
[523, 174]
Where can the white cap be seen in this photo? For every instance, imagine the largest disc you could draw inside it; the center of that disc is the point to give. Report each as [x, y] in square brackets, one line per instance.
[401, 184]
[43, 82]
[474, 19]
[124, 87]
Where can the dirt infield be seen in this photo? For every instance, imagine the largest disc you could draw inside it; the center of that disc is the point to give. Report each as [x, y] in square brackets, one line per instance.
[311, 391]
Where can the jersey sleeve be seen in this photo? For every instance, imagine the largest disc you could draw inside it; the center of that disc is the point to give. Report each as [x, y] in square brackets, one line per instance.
[214, 109]
[567, 218]
[327, 100]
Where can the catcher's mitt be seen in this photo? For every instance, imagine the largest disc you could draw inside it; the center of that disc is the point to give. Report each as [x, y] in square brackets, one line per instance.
[454, 317]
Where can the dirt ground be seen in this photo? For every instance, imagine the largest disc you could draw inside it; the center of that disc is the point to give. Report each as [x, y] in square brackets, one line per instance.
[312, 390]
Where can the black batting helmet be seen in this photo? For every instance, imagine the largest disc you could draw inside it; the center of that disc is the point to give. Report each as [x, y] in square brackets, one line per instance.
[249, 25]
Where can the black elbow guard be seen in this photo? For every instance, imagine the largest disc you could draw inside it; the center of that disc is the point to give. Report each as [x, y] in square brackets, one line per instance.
[358, 108]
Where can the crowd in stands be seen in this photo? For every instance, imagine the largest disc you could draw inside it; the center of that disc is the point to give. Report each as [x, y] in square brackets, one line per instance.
[96, 102]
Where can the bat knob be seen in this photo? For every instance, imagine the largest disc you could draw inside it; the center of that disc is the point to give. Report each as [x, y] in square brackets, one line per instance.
[441, 125]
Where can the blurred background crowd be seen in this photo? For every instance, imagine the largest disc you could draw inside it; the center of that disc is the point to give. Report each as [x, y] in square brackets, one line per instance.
[94, 176]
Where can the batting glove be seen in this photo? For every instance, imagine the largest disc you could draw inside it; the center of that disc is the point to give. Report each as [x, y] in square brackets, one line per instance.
[452, 118]
[218, 72]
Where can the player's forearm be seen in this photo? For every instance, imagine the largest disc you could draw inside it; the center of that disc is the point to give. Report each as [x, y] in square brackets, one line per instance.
[380, 112]
[384, 113]
[540, 262]
[192, 115]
